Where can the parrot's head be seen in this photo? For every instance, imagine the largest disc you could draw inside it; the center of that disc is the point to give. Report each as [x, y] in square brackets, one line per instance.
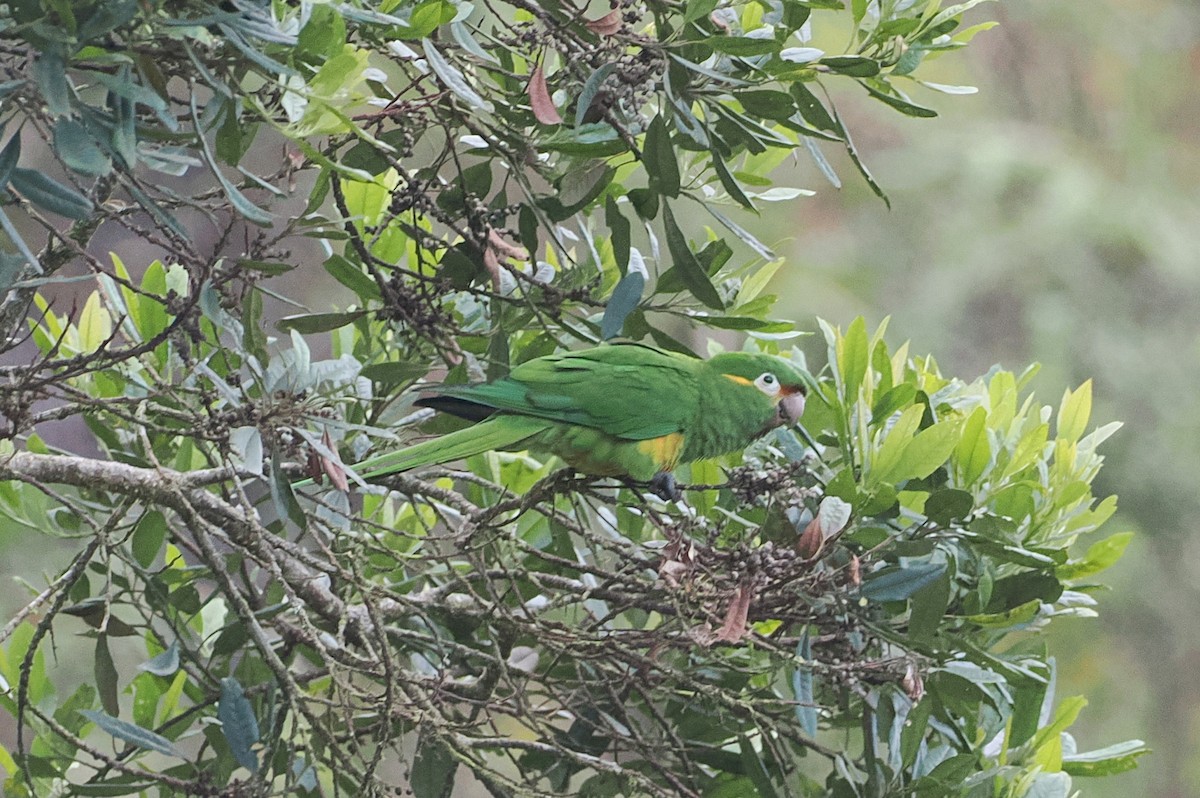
[781, 382]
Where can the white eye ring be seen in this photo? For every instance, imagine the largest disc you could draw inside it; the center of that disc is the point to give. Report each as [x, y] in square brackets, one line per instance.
[768, 383]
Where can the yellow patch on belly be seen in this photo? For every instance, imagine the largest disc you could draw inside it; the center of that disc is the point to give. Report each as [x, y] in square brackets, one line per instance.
[664, 451]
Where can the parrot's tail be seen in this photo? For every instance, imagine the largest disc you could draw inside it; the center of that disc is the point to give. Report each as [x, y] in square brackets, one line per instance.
[497, 432]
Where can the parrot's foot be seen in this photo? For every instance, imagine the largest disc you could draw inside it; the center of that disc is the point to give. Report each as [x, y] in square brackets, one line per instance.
[665, 487]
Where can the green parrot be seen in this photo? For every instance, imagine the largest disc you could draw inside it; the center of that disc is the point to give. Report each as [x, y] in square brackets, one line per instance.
[616, 410]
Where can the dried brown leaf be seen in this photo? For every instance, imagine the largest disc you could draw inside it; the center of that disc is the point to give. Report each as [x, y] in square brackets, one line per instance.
[539, 98]
[607, 25]
[809, 544]
[737, 616]
[334, 470]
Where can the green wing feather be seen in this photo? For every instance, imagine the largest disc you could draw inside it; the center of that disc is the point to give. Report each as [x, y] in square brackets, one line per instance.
[500, 432]
[628, 391]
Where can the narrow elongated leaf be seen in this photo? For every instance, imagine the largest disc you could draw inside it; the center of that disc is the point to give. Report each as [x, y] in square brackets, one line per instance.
[854, 65]
[309, 323]
[9, 157]
[897, 583]
[590, 87]
[659, 156]
[1107, 761]
[238, 723]
[624, 299]
[621, 232]
[282, 495]
[78, 149]
[753, 765]
[1101, 555]
[125, 87]
[802, 686]
[900, 104]
[539, 98]
[452, 78]
[50, 72]
[462, 34]
[746, 237]
[928, 450]
[44, 191]
[148, 538]
[353, 277]
[106, 676]
[743, 45]
[131, 732]
[690, 270]
[165, 663]
[730, 183]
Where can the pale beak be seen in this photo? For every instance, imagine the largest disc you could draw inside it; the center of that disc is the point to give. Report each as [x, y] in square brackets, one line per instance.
[791, 407]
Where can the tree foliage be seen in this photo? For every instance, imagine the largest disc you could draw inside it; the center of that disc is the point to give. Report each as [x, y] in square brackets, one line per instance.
[850, 609]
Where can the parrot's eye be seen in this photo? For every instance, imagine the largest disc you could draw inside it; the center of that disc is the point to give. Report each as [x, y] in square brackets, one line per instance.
[768, 383]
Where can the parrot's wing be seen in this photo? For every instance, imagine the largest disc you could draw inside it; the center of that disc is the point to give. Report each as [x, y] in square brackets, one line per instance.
[501, 432]
[630, 392]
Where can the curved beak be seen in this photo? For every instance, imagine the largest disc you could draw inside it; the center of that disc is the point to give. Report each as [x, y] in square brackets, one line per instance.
[791, 406]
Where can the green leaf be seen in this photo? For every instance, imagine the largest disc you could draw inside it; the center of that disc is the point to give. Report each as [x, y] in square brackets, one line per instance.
[899, 582]
[1101, 555]
[621, 233]
[768, 103]
[973, 452]
[731, 185]
[48, 193]
[106, 676]
[886, 460]
[802, 686]
[433, 767]
[394, 372]
[927, 451]
[625, 297]
[743, 45]
[309, 323]
[812, 109]
[690, 270]
[1074, 412]
[131, 733]
[945, 506]
[1020, 614]
[853, 358]
[78, 150]
[9, 157]
[123, 86]
[853, 65]
[587, 94]
[148, 537]
[901, 105]
[1108, 761]
[282, 495]
[928, 608]
[453, 79]
[852, 151]
[597, 140]
[50, 72]
[165, 663]
[238, 723]
[659, 157]
[752, 763]
[353, 277]
[1048, 736]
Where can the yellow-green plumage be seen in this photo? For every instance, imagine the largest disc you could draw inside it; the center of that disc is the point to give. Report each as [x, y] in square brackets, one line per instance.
[617, 410]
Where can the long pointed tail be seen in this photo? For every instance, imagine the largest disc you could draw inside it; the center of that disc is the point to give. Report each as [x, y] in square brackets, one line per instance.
[497, 432]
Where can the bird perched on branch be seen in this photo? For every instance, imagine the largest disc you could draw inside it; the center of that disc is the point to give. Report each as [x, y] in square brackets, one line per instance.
[618, 410]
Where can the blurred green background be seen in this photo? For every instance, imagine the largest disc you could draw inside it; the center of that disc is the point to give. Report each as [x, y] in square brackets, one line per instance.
[1054, 217]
